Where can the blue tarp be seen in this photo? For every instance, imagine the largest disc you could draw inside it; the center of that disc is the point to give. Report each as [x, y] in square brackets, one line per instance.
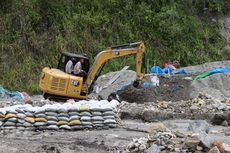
[15, 94]
[168, 69]
[220, 70]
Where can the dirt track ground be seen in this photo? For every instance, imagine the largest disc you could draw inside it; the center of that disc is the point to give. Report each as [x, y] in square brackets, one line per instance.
[101, 141]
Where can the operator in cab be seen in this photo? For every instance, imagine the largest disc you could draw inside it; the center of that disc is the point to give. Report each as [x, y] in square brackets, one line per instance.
[77, 70]
[69, 66]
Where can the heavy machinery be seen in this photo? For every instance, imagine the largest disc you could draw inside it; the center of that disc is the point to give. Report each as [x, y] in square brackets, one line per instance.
[55, 83]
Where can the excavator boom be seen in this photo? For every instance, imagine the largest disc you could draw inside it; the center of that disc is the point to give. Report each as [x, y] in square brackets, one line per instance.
[137, 49]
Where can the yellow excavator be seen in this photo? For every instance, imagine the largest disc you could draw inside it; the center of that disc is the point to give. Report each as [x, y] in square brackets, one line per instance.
[56, 83]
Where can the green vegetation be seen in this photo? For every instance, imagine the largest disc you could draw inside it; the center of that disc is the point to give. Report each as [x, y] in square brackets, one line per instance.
[34, 32]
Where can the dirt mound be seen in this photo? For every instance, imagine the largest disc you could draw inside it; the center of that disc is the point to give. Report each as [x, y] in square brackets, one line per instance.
[173, 88]
[176, 88]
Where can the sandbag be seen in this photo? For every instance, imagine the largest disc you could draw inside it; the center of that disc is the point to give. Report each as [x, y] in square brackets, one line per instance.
[98, 125]
[39, 123]
[77, 127]
[102, 109]
[2, 116]
[65, 127]
[12, 119]
[62, 110]
[62, 123]
[63, 115]
[52, 127]
[112, 125]
[21, 116]
[19, 125]
[29, 114]
[51, 118]
[30, 119]
[40, 115]
[40, 119]
[85, 114]
[27, 124]
[51, 109]
[85, 118]
[96, 113]
[84, 108]
[88, 126]
[21, 121]
[63, 119]
[75, 117]
[73, 113]
[97, 118]
[75, 122]
[12, 111]
[108, 113]
[1, 123]
[40, 111]
[10, 115]
[110, 121]
[8, 123]
[51, 114]
[9, 127]
[98, 122]
[109, 117]
[2, 111]
[84, 123]
[51, 122]
[73, 109]
[20, 110]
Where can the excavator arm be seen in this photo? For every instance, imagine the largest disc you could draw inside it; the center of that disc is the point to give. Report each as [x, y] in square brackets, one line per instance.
[137, 49]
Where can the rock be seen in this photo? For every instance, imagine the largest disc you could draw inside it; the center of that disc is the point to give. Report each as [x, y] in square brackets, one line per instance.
[131, 145]
[226, 148]
[199, 148]
[142, 147]
[214, 150]
[179, 134]
[191, 143]
[177, 149]
[222, 106]
[153, 149]
[199, 125]
[156, 127]
[194, 107]
[224, 123]
[205, 139]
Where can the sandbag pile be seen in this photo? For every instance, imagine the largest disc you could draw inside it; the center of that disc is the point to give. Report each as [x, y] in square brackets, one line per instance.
[69, 116]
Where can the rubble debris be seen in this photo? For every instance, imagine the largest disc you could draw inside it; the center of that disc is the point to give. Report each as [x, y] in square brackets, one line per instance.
[153, 149]
[161, 110]
[198, 126]
[214, 150]
[191, 143]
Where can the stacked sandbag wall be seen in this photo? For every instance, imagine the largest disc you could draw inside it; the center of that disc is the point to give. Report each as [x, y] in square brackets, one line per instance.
[69, 116]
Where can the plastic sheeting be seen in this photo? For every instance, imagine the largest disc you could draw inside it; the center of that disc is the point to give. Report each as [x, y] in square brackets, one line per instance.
[213, 71]
[20, 96]
[166, 70]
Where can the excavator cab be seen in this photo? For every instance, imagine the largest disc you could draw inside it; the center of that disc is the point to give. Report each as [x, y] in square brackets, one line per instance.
[66, 56]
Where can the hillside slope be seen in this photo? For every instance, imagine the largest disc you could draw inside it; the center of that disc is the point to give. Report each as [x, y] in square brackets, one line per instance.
[33, 33]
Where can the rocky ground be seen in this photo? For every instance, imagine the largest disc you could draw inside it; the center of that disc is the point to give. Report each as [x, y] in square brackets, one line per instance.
[178, 116]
